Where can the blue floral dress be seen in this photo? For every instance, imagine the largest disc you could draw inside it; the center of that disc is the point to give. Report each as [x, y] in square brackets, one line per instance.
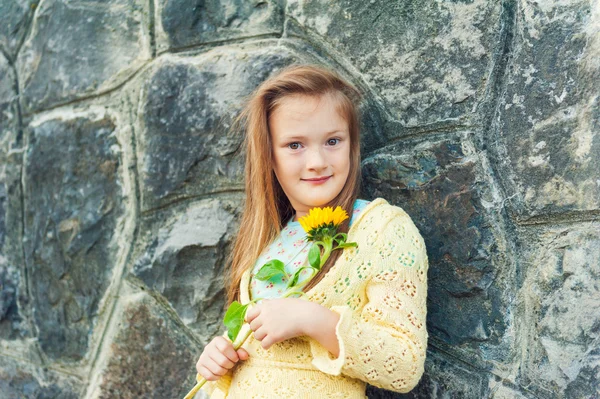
[291, 248]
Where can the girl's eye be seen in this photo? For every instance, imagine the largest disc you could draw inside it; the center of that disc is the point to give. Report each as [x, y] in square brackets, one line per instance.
[291, 145]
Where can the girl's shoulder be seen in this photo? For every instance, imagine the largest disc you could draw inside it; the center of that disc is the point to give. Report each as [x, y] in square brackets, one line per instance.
[376, 214]
[358, 207]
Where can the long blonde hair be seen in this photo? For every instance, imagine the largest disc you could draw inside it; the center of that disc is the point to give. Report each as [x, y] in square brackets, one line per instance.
[266, 206]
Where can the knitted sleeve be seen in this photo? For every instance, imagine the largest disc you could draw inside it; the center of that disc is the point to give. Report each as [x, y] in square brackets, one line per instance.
[384, 343]
[220, 388]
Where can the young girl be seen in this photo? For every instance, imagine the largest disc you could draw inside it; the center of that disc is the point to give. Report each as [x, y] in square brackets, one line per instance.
[364, 321]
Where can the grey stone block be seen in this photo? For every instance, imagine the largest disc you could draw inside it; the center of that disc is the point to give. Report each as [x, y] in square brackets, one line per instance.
[79, 49]
[183, 23]
[13, 293]
[428, 61]
[549, 119]
[182, 256]
[21, 380]
[561, 298]
[73, 202]
[16, 17]
[444, 189]
[150, 355]
[8, 104]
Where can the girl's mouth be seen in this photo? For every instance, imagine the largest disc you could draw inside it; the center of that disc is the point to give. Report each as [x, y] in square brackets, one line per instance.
[317, 180]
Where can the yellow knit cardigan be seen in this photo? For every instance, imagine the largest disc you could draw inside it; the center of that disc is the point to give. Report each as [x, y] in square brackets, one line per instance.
[379, 289]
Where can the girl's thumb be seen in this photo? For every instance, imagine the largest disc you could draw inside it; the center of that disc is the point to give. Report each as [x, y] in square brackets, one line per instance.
[243, 354]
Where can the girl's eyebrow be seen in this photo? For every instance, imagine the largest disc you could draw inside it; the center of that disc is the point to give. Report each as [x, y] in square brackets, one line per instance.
[303, 137]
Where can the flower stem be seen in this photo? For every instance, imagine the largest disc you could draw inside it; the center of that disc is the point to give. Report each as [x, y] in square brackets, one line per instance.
[327, 244]
[292, 292]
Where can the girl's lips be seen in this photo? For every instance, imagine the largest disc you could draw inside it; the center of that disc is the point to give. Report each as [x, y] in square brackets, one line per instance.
[317, 181]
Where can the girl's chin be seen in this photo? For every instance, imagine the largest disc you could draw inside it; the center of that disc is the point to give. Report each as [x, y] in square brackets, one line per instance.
[318, 200]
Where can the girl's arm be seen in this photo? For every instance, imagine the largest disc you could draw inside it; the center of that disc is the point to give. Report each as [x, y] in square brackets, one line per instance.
[322, 327]
[384, 341]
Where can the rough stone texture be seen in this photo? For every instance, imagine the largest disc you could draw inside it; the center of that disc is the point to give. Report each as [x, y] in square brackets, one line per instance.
[183, 257]
[561, 300]
[8, 273]
[151, 355]
[504, 392]
[444, 378]
[8, 101]
[20, 380]
[548, 141]
[183, 23]
[12, 290]
[12, 294]
[16, 18]
[71, 212]
[428, 61]
[441, 186]
[121, 181]
[178, 148]
[80, 48]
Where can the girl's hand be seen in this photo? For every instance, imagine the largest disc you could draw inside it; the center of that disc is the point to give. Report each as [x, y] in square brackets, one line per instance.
[218, 358]
[275, 320]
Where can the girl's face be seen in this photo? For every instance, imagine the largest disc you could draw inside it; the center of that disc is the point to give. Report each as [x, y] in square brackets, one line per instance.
[310, 140]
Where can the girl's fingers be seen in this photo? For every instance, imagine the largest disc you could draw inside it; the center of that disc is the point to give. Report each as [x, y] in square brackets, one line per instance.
[243, 354]
[251, 314]
[221, 363]
[213, 367]
[266, 343]
[260, 334]
[207, 374]
[255, 324]
[216, 370]
[226, 348]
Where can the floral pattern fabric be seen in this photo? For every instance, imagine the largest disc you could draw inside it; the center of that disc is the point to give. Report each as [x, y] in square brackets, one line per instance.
[291, 248]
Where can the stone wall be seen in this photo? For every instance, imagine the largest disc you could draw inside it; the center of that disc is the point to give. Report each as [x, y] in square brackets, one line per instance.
[121, 182]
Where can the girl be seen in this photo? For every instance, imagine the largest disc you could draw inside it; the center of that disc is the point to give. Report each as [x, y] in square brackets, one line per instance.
[364, 321]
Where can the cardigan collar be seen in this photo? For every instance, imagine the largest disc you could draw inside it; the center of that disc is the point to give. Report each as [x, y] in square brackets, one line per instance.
[245, 281]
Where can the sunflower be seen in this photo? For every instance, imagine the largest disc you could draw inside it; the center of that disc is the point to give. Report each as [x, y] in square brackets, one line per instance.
[321, 222]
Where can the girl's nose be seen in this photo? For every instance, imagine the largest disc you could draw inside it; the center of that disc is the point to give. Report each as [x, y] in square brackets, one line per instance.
[316, 159]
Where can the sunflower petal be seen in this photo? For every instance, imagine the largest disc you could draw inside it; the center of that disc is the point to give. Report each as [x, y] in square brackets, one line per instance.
[322, 217]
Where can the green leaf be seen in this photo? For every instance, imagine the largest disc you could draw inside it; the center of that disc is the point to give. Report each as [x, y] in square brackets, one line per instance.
[234, 319]
[271, 269]
[314, 256]
[294, 278]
